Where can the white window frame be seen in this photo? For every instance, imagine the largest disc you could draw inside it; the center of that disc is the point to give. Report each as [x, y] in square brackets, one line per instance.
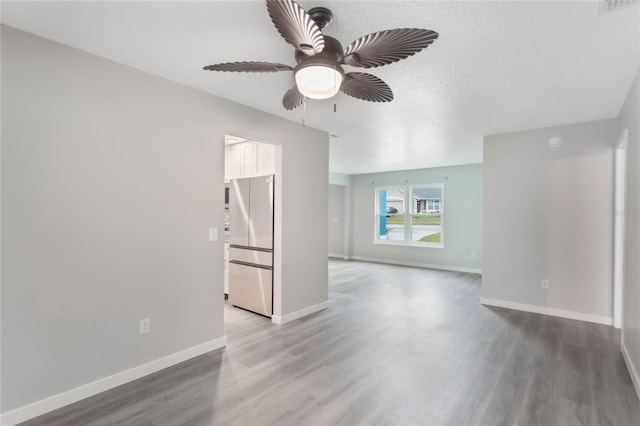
[407, 216]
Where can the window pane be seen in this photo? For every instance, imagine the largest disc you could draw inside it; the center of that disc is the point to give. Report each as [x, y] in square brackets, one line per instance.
[393, 229]
[426, 209]
[390, 212]
[426, 199]
[391, 201]
[426, 228]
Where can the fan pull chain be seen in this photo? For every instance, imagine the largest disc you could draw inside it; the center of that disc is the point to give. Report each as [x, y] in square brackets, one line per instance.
[304, 113]
[334, 86]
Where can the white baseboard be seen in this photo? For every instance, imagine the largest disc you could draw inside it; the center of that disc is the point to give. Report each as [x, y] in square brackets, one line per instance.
[339, 256]
[633, 372]
[277, 319]
[68, 397]
[547, 311]
[419, 265]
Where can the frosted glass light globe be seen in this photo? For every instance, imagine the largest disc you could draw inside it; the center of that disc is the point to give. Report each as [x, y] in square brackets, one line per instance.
[318, 81]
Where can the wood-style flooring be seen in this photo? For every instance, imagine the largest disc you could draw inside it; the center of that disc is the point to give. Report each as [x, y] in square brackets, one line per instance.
[398, 346]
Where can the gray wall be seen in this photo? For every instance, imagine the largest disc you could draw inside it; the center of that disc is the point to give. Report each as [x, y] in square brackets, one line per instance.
[110, 180]
[628, 119]
[337, 210]
[545, 217]
[339, 179]
[462, 221]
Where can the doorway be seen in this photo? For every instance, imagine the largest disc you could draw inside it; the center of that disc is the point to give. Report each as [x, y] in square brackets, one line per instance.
[249, 170]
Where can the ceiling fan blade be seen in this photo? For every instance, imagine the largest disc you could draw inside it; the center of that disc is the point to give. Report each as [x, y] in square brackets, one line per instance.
[296, 26]
[292, 99]
[386, 47]
[366, 87]
[248, 67]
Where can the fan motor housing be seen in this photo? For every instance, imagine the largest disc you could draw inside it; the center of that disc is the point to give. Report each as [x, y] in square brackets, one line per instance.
[332, 52]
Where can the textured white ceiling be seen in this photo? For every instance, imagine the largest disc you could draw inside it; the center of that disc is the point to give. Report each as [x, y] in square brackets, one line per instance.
[497, 66]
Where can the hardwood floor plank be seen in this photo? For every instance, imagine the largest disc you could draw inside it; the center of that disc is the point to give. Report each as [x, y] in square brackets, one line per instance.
[398, 345]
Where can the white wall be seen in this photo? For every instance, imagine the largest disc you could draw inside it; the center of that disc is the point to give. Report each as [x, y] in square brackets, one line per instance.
[629, 119]
[462, 220]
[110, 179]
[303, 221]
[546, 216]
[337, 194]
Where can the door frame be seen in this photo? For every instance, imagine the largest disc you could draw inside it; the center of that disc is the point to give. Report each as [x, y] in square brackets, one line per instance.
[619, 215]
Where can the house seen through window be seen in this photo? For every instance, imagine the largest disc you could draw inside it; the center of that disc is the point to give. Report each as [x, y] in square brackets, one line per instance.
[410, 214]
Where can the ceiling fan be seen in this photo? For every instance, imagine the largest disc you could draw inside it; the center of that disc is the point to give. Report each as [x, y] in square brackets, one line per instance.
[318, 73]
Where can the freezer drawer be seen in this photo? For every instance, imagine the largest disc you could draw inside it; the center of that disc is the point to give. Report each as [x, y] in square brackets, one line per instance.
[251, 288]
[248, 255]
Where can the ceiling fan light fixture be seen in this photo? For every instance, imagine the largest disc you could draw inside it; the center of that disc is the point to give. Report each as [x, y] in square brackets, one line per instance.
[318, 80]
[319, 57]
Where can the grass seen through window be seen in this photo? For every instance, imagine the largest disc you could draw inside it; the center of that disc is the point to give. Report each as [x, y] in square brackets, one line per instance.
[416, 219]
[433, 238]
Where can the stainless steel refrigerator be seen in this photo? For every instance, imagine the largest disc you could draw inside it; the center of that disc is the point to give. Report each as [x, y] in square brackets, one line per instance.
[251, 244]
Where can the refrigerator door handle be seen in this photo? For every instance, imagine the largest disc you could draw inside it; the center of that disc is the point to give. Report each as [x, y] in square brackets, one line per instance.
[267, 250]
[253, 265]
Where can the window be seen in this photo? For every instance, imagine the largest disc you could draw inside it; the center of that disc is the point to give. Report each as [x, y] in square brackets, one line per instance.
[433, 206]
[420, 225]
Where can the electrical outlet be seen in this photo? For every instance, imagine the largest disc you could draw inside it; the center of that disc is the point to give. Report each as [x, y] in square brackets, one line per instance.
[145, 326]
[544, 283]
[472, 255]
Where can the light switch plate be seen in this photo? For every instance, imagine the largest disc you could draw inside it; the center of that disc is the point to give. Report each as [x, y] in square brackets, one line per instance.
[213, 234]
[145, 326]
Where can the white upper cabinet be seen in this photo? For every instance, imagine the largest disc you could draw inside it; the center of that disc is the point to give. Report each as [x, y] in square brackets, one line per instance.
[248, 159]
[234, 158]
[265, 159]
